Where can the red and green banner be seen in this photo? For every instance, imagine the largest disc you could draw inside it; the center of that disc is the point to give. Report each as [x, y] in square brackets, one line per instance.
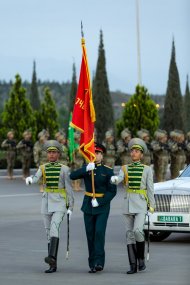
[83, 113]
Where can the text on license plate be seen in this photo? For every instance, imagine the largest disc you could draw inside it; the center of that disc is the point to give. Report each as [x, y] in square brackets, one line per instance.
[170, 219]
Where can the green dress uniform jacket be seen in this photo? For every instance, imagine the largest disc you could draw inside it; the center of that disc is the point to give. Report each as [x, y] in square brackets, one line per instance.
[95, 218]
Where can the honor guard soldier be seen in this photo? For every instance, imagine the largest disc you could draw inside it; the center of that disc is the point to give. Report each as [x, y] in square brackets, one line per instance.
[96, 209]
[57, 198]
[40, 156]
[177, 152]
[122, 147]
[10, 146]
[64, 158]
[145, 136]
[110, 155]
[138, 180]
[25, 147]
[160, 155]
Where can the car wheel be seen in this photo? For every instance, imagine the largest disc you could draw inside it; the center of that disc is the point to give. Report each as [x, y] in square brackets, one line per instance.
[157, 236]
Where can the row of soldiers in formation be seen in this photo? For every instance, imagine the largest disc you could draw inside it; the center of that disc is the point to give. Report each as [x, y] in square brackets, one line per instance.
[162, 151]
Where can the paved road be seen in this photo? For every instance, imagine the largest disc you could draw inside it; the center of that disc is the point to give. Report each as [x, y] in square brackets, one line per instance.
[23, 246]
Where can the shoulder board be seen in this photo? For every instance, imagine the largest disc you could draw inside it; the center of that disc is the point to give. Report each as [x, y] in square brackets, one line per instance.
[108, 166]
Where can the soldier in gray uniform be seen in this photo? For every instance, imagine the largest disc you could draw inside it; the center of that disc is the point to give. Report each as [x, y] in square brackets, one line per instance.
[10, 146]
[160, 155]
[25, 147]
[56, 199]
[138, 180]
[110, 155]
[122, 147]
[177, 152]
[145, 136]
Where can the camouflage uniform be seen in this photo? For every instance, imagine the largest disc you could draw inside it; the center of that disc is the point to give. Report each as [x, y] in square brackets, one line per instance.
[64, 156]
[177, 149]
[25, 147]
[122, 147]
[187, 142]
[110, 155]
[10, 146]
[40, 156]
[145, 136]
[160, 155]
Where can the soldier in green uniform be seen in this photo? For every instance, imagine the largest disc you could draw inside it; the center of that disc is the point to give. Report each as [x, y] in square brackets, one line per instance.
[139, 197]
[177, 152]
[145, 136]
[56, 199]
[96, 210]
[10, 146]
[160, 155]
[110, 155]
[64, 157]
[122, 147]
[25, 147]
[40, 156]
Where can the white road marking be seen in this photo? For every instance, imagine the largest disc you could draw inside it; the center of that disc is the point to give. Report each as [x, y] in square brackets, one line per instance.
[19, 195]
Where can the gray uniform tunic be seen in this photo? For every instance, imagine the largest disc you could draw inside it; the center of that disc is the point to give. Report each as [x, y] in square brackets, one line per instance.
[135, 205]
[53, 205]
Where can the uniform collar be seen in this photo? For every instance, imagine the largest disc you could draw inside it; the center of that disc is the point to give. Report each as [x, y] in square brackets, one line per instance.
[98, 164]
[136, 163]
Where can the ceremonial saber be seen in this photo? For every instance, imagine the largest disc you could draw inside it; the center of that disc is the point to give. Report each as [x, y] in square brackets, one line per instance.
[148, 249]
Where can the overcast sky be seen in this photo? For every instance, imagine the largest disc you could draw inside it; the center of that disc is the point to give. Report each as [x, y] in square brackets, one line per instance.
[48, 31]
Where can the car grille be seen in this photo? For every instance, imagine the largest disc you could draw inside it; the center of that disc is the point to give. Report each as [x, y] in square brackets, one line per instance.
[172, 203]
[185, 225]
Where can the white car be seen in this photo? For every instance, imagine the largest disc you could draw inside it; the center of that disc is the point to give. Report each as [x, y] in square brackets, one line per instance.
[172, 212]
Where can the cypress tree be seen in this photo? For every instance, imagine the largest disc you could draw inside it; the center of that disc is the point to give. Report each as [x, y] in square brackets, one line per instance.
[34, 95]
[187, 108]
[101, 95]
[17, 113]
[140, 112]
[47, 116]
[173, 107]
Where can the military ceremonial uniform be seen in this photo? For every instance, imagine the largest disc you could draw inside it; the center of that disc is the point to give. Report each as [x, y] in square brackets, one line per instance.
[95, 218]
[122, 147]
[177, 151]
[110, 155]
[139, 196]
[57, 197]
[160, 155]
[25, 147]
[10, 146]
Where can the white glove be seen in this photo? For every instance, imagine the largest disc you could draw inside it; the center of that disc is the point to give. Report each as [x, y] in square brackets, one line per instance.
[28, 180]
[69, 212]
[94, 203]
[114, 179]
[90, 166]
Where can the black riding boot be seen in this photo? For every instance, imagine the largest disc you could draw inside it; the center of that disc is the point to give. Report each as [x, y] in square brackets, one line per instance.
[51, 259]
[131, 248]
[140, 255]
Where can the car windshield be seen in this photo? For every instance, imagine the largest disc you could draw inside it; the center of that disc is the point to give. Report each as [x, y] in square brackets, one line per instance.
[186, 172]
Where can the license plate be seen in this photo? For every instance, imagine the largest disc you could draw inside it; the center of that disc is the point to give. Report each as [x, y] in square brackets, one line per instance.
[170, 219]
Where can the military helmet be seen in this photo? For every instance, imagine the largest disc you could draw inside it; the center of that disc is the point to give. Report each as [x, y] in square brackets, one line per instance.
[42, 133]
[109, 134]
[26, 132]
[125, 133]
[11, 132]
[160, 134]
[137, 143]
[188, 135]
[52, 145]
[143, 133]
